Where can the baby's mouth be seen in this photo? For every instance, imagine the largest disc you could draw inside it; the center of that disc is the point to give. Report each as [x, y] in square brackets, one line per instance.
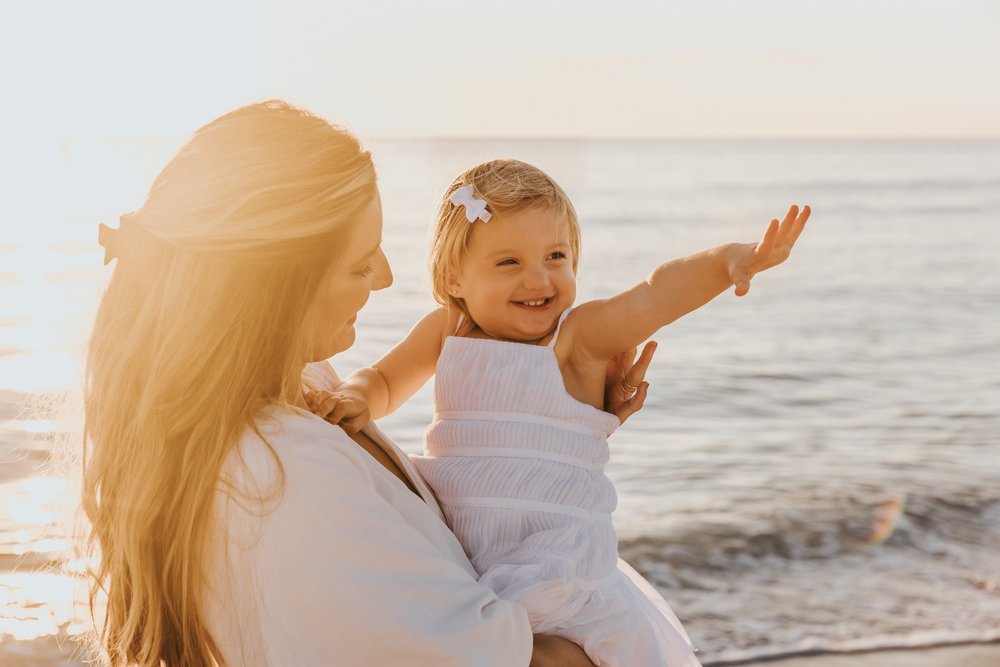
[535, 303]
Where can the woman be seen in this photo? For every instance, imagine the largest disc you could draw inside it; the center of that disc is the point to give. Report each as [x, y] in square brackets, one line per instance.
[232, 525]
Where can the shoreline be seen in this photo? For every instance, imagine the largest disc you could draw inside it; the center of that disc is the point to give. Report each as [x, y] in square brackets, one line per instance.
[964, 654]
[63, 651]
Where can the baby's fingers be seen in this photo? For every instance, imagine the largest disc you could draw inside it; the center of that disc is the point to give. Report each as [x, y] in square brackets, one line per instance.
[742, 281]
[766, 245]
[344, 410]
[800, 224]
[354, 424]
[321, 402]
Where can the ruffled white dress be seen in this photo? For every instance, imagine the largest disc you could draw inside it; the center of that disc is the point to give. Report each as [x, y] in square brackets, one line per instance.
[518, 468]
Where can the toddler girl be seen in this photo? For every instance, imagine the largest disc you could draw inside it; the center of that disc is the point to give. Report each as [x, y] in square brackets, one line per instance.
[517, 448]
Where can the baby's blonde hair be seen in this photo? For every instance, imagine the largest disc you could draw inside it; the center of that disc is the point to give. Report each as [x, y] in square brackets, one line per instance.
[507, 186]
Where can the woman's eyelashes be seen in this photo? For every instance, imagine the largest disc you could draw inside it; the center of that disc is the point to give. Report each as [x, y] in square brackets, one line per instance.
[367, 271]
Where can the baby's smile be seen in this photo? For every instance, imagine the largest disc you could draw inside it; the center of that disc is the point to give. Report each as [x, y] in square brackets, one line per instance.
[536, 303]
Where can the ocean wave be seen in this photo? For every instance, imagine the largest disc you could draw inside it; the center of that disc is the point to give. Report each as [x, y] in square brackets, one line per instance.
[914, 522]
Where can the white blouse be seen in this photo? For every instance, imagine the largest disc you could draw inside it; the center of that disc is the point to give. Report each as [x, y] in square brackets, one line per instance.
[346, 565]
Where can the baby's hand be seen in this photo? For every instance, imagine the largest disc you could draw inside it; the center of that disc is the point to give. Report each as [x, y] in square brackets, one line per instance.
[773, 249]
[345, 407]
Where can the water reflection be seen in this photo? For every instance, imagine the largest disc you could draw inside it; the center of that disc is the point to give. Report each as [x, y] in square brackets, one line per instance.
[40, 592]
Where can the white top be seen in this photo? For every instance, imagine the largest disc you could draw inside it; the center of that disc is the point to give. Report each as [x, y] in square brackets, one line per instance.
[517, 464]
[347, 566]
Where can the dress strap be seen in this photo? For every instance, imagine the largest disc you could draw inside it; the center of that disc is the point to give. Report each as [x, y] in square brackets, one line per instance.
[458, 325]
[555, 336]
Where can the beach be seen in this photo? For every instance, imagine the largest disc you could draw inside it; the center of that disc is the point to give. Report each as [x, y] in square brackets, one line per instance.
[966, 655]
[816, 467]
[52, 653]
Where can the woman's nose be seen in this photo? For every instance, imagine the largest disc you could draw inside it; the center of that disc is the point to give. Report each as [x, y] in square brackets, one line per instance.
[383, 272]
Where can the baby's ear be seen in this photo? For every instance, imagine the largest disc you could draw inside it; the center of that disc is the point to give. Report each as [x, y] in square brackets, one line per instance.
[452, 285]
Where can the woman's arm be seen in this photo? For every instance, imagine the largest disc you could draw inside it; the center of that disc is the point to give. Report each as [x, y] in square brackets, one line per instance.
[351, 568]
[550, 651]
[374, 392]
[603, 328]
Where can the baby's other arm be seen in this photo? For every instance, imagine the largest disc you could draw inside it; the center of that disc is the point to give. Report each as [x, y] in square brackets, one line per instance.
[603, 328]
[371, 393]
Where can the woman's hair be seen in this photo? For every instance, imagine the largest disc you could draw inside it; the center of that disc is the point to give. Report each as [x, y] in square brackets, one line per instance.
[507, 186]
[201, 328]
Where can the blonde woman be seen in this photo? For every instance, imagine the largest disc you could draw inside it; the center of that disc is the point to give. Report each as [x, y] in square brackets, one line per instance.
[230, 525]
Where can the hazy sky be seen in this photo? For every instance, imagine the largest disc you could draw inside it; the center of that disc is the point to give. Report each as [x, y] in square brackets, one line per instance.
[513, 67]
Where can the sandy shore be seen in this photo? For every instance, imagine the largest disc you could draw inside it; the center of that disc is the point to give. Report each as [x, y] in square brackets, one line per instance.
[965, 655]
[52, 652]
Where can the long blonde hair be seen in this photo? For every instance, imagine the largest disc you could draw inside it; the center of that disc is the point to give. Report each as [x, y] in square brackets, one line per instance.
[198, 331]
[507, 186]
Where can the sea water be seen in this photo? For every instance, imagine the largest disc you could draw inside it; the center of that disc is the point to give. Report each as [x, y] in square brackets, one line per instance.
[818, 464]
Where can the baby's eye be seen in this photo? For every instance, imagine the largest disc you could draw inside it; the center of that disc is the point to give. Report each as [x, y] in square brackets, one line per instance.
[507, 262]
[559, 254]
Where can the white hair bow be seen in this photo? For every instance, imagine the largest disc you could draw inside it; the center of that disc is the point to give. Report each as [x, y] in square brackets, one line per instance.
[475, 208]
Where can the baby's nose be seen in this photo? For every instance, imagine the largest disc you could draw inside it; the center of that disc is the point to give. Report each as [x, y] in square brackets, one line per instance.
[536, 277]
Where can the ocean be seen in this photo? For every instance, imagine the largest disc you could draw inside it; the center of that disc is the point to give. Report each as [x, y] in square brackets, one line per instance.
[817, 467]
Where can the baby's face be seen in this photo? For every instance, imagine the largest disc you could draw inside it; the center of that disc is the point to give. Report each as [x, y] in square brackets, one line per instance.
[517, 275]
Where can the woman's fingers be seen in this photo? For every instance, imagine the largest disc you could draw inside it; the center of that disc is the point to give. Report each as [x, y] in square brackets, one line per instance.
[634, 404]
[631, 391]
[637, 372]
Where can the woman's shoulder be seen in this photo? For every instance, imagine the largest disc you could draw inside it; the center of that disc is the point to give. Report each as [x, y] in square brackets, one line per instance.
[287, 440]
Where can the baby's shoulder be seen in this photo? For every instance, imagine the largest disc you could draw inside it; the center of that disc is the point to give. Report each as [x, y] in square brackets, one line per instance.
[567, 347]
[438, 323]
[576, 320]
[447, 322]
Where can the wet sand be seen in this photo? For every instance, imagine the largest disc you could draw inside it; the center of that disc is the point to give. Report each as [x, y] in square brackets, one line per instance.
[964, 655]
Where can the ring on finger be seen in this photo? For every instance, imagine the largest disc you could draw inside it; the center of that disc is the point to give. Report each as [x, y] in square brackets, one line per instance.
[628, 388]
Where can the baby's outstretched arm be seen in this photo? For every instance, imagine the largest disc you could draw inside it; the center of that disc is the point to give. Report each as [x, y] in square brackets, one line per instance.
[371, 393]
[678, 287]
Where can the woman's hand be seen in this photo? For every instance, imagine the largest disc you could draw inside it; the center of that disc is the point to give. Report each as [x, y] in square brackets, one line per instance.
[625, 387]
[553, 651]
[751, 258]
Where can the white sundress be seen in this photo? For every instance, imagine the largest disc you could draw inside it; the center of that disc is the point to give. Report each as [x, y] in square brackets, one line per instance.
[517, 465]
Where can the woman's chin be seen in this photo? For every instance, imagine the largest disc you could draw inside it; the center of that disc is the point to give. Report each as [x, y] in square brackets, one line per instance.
[341, 343]
[344, 341]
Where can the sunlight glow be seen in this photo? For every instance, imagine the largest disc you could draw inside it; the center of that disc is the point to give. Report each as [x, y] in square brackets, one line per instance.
[35, 604]
[33, 501]
[40, 371]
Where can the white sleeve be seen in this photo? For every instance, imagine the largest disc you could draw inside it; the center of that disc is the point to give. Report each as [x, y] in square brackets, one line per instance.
[346, 580]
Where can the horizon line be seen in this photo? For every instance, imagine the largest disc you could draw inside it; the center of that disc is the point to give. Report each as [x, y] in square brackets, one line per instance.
[666, 137]
[544, 137]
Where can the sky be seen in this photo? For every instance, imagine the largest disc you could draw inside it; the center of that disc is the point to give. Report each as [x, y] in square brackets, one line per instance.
[539, 68]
